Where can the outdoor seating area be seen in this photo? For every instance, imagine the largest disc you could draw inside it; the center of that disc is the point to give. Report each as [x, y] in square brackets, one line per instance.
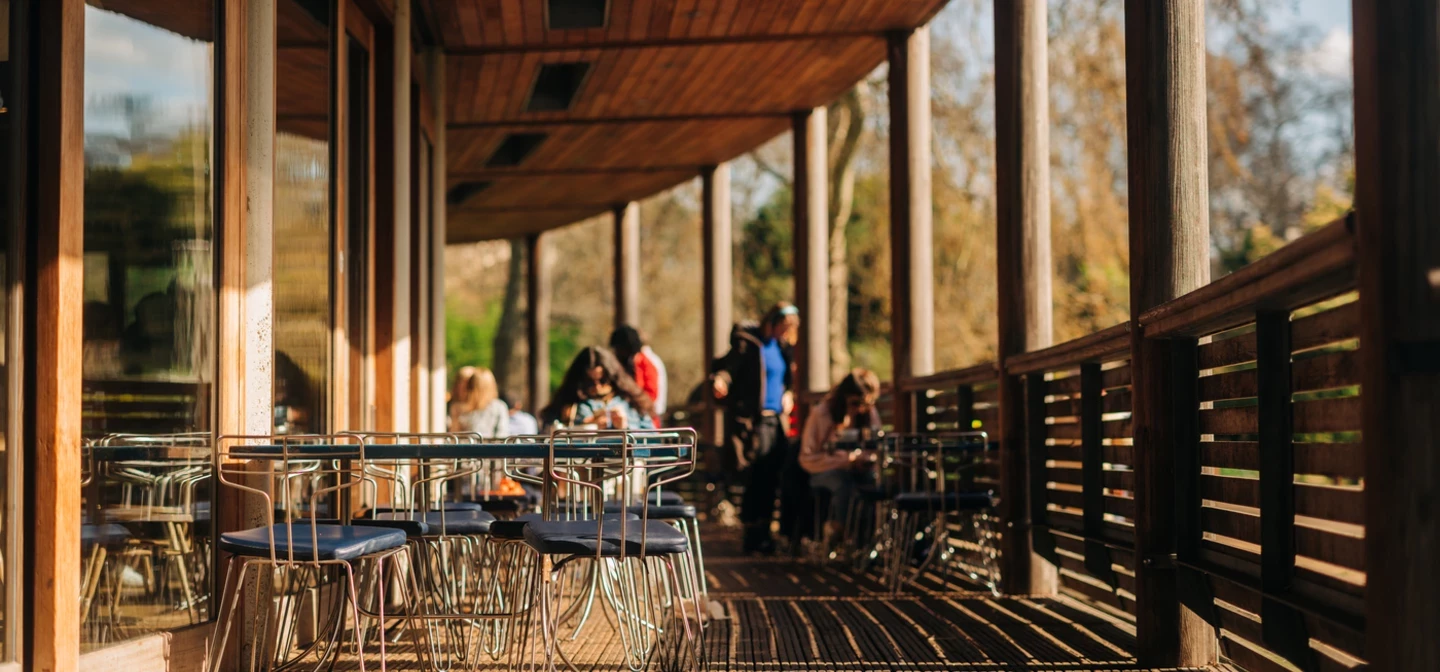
[303, 365]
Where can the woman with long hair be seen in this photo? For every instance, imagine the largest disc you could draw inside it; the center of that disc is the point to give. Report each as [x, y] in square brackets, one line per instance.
[475, 404]
[848, 409]
[597, 391]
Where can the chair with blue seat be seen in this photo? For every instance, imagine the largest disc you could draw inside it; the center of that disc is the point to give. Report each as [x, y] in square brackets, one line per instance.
[632, 564]
[937, 500]
[291, 556]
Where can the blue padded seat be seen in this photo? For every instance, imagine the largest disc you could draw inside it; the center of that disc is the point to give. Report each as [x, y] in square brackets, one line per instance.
[335, 542]
[514, 529]
[446, 506]
[950, 501]
[667, 498]
[105, 535]
[454, 522]
[587, 538]
[656, 511]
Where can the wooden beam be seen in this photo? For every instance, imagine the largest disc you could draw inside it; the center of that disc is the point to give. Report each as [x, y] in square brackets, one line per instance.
[56, 298]
[594, 208]
[811, 252]
[766, 38]
[627, 264]
[596, 121]
[537, 319]
[1397, 147]
[716, 243]
[912, 272]
[504, 173]
[1169, 256]
[1022, 261]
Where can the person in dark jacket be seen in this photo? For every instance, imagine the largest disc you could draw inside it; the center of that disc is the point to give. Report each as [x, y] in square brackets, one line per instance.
[754, 380]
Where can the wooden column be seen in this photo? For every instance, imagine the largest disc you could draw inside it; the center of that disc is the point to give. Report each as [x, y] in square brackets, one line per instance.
[436, 271]
[717, 248]
[1397, 145]
[627, 264]
[912, 265]
[1022, 259]
[392, 253]
[1169, 256]
[537, 319]
[811, 252]
[56, 298]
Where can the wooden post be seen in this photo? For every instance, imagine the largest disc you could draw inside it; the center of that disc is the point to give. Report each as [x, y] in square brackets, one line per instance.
[1169, 256]
[1022, 260]
[912, 265]
[627, 264]
[55, 298]
[1397, 146]
[811, 249]
[436, 270]
[392, 236]
[716, 244]
[537, 319]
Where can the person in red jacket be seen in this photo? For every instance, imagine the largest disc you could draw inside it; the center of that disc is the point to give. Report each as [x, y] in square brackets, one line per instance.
[629, 348]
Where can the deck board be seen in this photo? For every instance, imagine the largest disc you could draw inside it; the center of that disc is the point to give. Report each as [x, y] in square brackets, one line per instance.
[785, 614]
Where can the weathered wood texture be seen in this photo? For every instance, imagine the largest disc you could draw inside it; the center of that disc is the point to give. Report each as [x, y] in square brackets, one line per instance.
[1022, 136]
[1397, 142]
[811, 217]
[627, 264]
[52, 460]
[1169, 256]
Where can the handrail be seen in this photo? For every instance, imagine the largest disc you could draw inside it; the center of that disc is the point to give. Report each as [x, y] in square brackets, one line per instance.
[1311, 268]
[980, 373]
[1099, 345]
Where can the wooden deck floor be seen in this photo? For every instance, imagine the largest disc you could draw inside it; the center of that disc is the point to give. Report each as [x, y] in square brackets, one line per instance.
[783, 614]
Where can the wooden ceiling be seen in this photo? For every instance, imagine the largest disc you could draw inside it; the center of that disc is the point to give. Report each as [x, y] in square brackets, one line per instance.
[672, 85]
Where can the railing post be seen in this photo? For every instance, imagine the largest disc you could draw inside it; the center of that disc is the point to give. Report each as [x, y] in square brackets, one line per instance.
[439, 171]
[627, 264]
[1092, 472]
[812, 249]
[1397, 148]
[537, 319]
[1169, 256]
[1022, 260]
[912, 266]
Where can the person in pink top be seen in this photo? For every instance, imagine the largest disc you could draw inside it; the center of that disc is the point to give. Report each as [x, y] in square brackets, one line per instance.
[846, 413]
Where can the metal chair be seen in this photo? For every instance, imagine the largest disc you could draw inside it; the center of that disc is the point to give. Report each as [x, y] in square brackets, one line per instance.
[634, 564]
[937, 493]
[302, 560]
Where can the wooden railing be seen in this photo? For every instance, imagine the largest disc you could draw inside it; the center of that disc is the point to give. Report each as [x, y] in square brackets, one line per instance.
[1269, 484]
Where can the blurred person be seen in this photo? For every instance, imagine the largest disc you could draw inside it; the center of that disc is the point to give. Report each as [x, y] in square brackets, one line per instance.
[754, 381]
[846, 413]
[597, 391]
[521, 422]
[628, 347]
[661, 400]
[476, 406]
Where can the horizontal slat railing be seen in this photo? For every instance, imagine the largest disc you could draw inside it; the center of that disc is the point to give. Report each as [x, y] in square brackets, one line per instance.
[1271, 484]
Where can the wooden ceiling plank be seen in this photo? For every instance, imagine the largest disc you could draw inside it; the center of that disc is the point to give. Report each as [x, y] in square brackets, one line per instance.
[533, 20]
[511, 21]
[724, 16]
[640, 20]
[660, 20]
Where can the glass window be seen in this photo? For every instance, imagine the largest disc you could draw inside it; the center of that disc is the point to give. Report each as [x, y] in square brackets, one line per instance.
[303, 226]
[149, 316]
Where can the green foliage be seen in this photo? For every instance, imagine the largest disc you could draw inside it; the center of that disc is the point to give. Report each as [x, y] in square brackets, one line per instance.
[470, 341]
[766, 268]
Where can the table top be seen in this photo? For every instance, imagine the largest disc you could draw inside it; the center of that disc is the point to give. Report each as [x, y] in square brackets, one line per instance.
[468, 451]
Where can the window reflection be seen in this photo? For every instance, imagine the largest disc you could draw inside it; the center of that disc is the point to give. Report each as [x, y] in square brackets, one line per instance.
[149, 317]
[303, 227]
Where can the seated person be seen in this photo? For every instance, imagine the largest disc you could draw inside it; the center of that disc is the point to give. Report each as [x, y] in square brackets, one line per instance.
[597, 391]
[847, 412]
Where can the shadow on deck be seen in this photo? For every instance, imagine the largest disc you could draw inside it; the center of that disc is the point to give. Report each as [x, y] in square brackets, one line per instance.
[791, 615]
